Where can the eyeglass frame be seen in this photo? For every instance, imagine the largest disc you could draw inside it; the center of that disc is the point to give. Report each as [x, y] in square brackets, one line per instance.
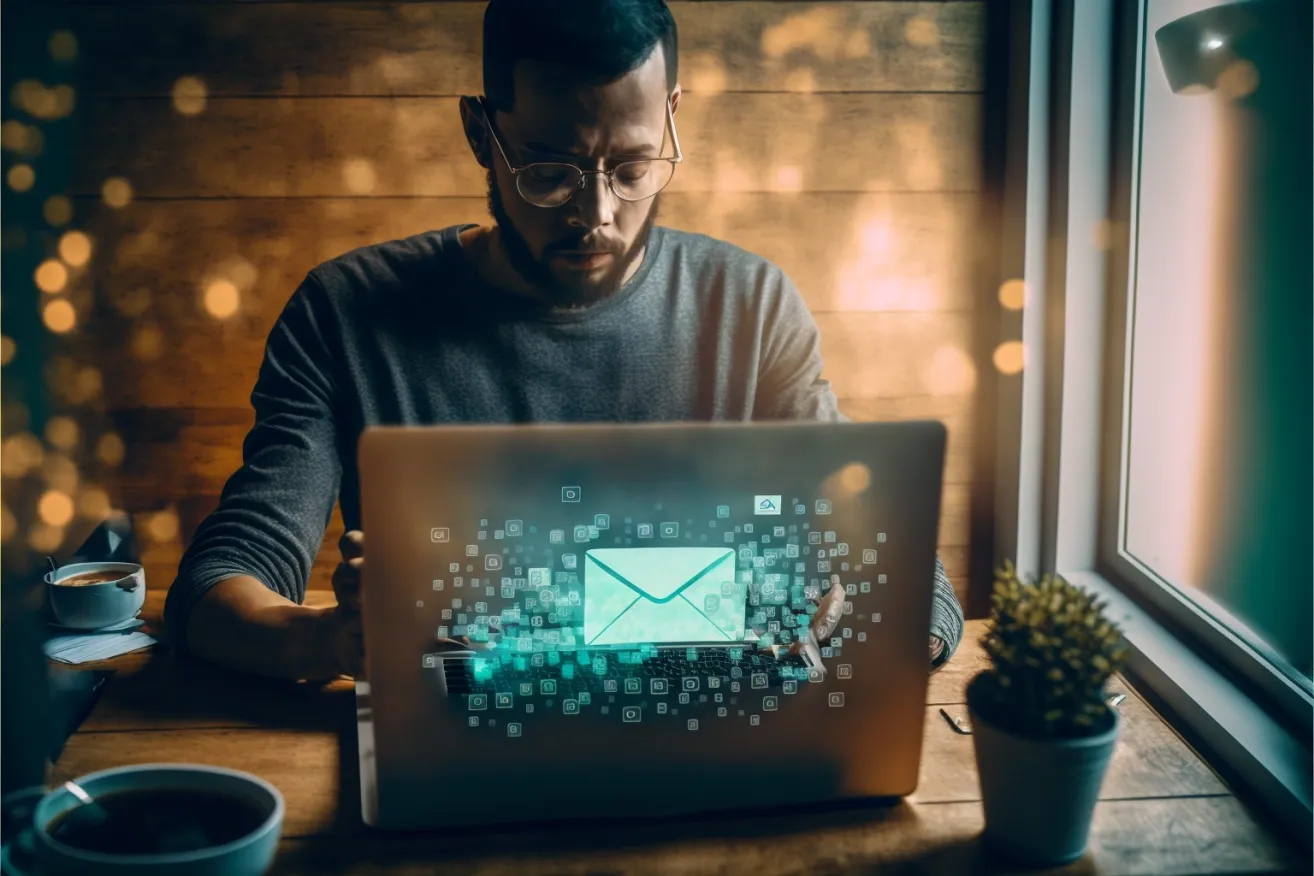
[584, 174]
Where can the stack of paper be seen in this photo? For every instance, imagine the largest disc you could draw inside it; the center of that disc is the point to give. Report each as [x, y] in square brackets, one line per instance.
[99, 645]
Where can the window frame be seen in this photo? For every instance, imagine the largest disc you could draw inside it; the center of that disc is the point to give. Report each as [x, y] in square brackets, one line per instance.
[1073, 160]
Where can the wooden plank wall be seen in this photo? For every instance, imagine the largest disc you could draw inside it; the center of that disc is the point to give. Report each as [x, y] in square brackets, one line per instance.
[841, 140]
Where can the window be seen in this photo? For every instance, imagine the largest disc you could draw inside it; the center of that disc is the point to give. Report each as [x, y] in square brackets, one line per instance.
[1216, 474]
[1157, 203]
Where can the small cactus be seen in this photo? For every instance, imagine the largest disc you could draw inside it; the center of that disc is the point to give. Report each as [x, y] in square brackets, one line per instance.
[1052, 650]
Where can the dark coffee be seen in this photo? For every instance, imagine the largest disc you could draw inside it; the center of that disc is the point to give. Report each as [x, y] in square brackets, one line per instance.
[156, 822]
[82, 579]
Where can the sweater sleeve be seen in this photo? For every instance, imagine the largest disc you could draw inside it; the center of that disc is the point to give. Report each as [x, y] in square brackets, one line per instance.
[274, 509]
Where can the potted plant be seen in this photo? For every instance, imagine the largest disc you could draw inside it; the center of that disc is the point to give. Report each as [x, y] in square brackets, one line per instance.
[1041, 727]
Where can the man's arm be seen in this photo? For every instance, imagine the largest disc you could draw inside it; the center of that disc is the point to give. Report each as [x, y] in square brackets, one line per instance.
[236, 600]
[790, 387]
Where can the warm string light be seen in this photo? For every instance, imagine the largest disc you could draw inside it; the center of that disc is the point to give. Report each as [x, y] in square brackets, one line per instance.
[21, 177]
[51, 276]
[1010, 357]
[75, 249]
[59, 316]
[116, 192]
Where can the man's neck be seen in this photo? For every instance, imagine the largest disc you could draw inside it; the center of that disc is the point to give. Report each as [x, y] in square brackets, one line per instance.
[484, 247]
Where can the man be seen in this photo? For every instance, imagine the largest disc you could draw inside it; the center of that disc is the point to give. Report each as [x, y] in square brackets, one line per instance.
[574, 306]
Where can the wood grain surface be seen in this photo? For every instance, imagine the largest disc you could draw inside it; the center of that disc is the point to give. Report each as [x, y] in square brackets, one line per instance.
[1162, 810]
[434, 49]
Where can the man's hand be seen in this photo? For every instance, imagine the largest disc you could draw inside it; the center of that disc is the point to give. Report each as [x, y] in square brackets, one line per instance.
[345, 640]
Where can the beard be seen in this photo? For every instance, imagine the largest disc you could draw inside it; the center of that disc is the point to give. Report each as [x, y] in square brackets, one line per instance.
[565, 290]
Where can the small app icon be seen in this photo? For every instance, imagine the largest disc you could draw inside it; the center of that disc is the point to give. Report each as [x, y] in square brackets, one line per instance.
[721, 712]
[864, 587]
[539, 577]
[472, 550]
[842, 549]
[769, 704]
[547, 687]
[585, 698]
[789, 687]
[758, 680]
[581, 534]
[800, 508]
[633, 686]
[713, 681]
[670, 530]
[693, 724]
[868, 556]
[658, 686]
[478, 702]
[570, 707]
[823, 506]
[454, 567]
[727, 588]
[631, 714]
[602, 521]
[567, 561]
[881, 579]
[690, 684]
[764, 505]
[880, 538]
[661, 708]
[844, 670]
[498, 534]
[440, 535]
[557, 536]
[754, 720]
[814, 537]
[748, 529]
[684, 699]
[711, 602]
[503, 701]
[723, 512]
[609, 685]
[514, 528]
[645, 530]
[830, 536]
[778, 531]
[526, 688]
[513, 729]
[570, 494]
[836, 700]
[862, 637]
[474, 721]
[429, 661]
[876, 617]
[816, 673]
[492, 562]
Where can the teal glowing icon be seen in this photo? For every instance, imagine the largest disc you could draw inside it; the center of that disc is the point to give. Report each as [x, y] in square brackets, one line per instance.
[660, 595]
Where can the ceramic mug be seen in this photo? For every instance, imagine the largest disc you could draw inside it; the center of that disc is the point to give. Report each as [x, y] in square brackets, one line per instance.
[92, 606]
[248, 855]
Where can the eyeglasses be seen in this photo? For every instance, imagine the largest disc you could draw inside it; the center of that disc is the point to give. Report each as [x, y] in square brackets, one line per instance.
[551, 183]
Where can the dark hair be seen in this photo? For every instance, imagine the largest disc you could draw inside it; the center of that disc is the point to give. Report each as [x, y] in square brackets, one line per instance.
[600, 40]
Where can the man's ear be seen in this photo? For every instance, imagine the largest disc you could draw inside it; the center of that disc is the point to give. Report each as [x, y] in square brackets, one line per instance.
[476, 132]
[675, 99]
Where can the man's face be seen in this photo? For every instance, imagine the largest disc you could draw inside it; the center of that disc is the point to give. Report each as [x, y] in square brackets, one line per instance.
[582, 251]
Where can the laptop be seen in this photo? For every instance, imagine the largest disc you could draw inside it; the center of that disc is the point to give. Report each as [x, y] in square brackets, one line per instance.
[584, 621]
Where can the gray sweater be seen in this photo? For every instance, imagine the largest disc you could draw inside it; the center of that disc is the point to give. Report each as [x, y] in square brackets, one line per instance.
[404, 333]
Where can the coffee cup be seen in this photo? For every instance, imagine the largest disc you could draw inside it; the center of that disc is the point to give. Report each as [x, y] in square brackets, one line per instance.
[160, 820]
[88, 596]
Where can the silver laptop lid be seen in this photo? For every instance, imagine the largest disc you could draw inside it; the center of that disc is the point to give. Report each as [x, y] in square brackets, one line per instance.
[617, 586]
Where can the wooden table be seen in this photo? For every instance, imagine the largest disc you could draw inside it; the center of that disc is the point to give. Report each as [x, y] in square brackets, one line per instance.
[1162, 809]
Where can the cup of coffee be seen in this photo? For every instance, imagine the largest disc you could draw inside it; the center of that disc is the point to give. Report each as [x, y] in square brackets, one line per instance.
[161, 820]
[87, 596]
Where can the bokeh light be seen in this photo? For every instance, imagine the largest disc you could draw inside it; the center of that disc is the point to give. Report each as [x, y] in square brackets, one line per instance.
[148, 342]
[1010, 357]
[51, 276]
[1239, 79]
[55, 508]
[922, 32]
[110, 449]
[116, 192]
[63, 45]
[221, 299]
[163, 526]
[59, 316]
[358, 175]
[854, 478]
[58, 210]
[62, 432]
[788, 179]
[60, 473]
[8, 525]
[20, 454]
[189, 96]
[44, 538]
[94, 503]
[950, 372]
[75, 248]
[21, 177]
[1013, 294]
[8, 349]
